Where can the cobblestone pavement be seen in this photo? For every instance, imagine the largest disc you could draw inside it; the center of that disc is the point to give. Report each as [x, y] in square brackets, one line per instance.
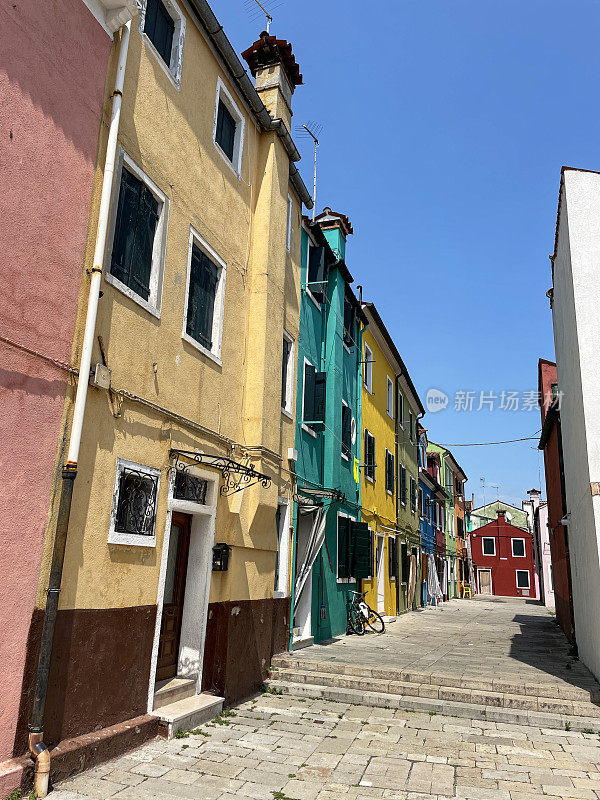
[279, 748]
[512, 640]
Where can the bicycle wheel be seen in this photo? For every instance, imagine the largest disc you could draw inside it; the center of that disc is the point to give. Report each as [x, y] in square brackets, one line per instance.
[356, 621]
[375, 622]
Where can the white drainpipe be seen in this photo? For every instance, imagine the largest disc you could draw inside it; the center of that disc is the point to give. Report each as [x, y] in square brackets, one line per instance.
[94, 295]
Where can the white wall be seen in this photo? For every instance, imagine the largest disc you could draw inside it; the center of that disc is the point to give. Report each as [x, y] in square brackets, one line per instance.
[576, 318]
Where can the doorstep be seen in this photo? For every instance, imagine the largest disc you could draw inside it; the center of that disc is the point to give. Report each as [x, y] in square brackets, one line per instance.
[299, 644]
[186, 714]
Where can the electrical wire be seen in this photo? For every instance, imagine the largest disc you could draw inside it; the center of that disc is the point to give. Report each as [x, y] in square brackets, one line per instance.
[488, 444]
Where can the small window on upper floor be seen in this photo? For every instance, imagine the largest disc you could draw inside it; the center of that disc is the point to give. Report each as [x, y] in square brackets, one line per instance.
[370, 464]
[390, 397]
[288, 227]
[401, 409]
[317, 273]
[368, 369]
[349, 317]
[346, 430]
[488, 545]
[138, 225]
[287, 374]
[518, 548]
[163, 24]
[229, 127]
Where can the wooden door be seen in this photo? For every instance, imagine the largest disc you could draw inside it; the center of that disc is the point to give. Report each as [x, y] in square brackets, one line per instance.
[170, 627]
[485, 581]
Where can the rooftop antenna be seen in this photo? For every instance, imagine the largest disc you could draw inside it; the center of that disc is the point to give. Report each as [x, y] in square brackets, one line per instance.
[251, 6]
[312, 130]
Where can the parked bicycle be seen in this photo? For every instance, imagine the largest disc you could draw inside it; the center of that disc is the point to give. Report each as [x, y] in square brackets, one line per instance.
[360, 614]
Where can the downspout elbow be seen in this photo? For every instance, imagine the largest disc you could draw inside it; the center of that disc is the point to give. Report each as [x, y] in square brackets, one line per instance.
[41, 758]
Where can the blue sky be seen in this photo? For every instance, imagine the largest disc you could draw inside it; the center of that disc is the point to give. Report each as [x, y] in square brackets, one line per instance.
[445, 128]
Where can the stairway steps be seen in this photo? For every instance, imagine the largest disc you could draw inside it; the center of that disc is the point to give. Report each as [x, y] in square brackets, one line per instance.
[186, 714]
[172, 690]
[551, 691]
[451, 708]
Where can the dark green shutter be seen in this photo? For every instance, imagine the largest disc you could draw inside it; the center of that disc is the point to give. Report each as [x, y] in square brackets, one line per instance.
[287, 346]
[309, 392]
[361, 550]
[127, 211]
[204, 277]
[141, 262]
[225, 130]
[343, 545]
[159, 27]
[317, 273]
[404, 562]
[320, 385]
[393, 556]
[346, 430]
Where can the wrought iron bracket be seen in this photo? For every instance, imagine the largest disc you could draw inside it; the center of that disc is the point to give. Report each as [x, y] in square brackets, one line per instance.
[236, 476]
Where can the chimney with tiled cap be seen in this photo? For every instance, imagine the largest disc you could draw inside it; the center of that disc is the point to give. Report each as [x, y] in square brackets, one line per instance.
[336, 228]
[276, 74]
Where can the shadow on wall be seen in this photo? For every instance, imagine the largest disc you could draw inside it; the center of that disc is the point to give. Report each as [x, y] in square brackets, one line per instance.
[542, 644]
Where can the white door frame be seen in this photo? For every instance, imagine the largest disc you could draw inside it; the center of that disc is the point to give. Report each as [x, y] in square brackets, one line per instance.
[380, 573]
[303, 611]
[197, 582]
[479, 571]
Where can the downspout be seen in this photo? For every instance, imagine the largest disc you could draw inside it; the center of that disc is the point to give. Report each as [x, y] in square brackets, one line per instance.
[37, 749]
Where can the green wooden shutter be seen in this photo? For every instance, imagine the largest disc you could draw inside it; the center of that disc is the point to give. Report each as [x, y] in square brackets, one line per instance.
[404, 562]
[393, 556]
[320, 385]
[360, 538]
[317, 272]
[127, 211]
[204, 277]
[309, 392]
[287, 347]
[143, 245]
[343, 547]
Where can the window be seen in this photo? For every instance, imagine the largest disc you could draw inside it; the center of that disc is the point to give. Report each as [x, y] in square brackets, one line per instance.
[163, 25]
[133, 515]
[401, 410]
[403, 497]
[522, 579]
[346, 430]
[205, 298]
[313, 398]
[368, 369]
[518, 547]
[288, 227]
[282, 526]
[189, 487]
[393, 557]
[421, 504]
[411, 432]
[349, 316]
[460, 527]
[413, 494]
[138, 227]
[390, 397]
[404, 562]
[317, 273]
[354, 550]
[229, 127]
[488, 545]
[369, 455]
[389, 472]
[287, 373]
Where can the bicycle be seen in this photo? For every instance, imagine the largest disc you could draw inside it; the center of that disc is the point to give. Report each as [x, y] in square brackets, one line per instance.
[361, 614]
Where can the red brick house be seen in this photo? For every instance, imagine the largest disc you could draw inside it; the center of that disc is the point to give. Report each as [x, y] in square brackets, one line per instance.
[551, 445]
[503, 556]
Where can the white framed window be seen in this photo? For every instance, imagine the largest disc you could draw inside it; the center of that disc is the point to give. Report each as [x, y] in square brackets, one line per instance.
[204, 305]
[162, 26]
[288, 227]
[343, 546]
[308, 393]
[370, 462]
[346, 431]
[317, 273]
[488, 545]
[134, 504]
[368, 369]
[390, 397]
[389, 472]
[287, 375]
[282, 562]
[135, 258]
[523, 579]
[401, 410]
[228, 129]
[518, 547]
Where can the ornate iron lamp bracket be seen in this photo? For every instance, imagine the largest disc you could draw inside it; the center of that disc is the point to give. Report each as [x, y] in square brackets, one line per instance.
[236, 476]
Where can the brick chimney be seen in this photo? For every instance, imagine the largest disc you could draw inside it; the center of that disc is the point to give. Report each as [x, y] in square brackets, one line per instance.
[534, 497]
[336, 228]
[276, 74]
[501, 516]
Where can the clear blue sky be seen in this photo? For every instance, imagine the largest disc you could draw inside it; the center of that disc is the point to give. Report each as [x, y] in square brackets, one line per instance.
[445, 127]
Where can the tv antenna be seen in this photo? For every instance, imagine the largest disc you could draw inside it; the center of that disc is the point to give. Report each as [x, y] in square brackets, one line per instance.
[313, 131]
[257, 9]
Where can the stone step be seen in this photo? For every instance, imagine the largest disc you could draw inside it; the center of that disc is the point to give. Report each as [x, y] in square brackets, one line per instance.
[172, 690]
[186, 714]
[588, 693]
[360, 697]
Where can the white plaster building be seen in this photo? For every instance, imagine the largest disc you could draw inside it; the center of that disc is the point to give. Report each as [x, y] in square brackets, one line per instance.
[575, 302]
[537, 519]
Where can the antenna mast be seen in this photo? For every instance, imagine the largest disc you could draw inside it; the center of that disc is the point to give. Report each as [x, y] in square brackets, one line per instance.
[266, 13]
[313, 131]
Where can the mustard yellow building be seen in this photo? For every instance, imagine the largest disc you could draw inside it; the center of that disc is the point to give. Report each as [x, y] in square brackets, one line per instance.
[176, 566]
[381, 367]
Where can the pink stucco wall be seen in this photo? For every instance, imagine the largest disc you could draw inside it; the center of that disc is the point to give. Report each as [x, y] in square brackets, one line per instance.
[53, 64]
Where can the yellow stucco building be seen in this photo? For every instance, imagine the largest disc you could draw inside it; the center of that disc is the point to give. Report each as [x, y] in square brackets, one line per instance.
[177, 557]
[381, 366]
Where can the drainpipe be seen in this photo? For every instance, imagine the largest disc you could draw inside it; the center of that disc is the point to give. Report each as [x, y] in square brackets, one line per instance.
[37, 749]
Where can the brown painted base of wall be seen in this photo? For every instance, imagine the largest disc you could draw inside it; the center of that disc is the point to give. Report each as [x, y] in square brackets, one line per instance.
[241, 639]
[99, 672]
